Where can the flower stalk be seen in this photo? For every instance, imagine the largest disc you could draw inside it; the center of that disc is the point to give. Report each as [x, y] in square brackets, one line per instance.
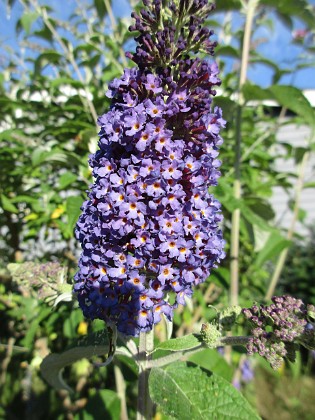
[146, 347]
[236, 215]
[149, 228]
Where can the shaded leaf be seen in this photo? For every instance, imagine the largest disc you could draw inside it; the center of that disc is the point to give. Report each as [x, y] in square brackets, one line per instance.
[96, 344]
[293, 8]
[48, 57]
[228, 5]
[227, 105]
[253, 92]
[100, 7]
[227, 50]
[108, 401]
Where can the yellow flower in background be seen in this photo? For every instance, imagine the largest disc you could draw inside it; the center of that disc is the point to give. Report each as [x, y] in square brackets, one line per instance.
[57, 212]
[82, 328]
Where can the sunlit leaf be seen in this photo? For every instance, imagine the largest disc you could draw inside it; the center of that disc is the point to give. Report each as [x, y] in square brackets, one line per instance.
[212, 360]
[27, 20]
[8, 205]
[67, 179]
[292, 98]
[73, 205]
[186, 391]
[274, 244]
[181, 343]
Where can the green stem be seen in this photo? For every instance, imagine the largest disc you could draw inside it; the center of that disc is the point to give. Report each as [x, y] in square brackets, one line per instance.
[260, 139]
[146, 346]
[173, 357]
[114, 27]
[121, 390]
[236, 215]
[68, 54]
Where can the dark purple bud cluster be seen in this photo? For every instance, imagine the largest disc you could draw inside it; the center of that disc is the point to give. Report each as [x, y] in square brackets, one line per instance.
[278, 327]
[168, 32]
[149, 229]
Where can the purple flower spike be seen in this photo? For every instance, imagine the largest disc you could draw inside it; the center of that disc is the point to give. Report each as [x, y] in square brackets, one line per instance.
[149, 227]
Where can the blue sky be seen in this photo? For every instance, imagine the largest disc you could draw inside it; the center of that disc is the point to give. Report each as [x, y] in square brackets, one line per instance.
[278, 46]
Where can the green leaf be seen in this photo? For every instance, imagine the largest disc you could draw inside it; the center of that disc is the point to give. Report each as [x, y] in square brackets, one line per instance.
[227, 51]
[70, 325]
[286, 20]
[67, 179]
[253, 92]
[106, 399]
[253, 218]
[48, 57]
[186, 391]
[293, 99]
[27, 20]
[257, 58]
[309, 185]
[40, 156]
[179, 344]
[34, 327]
[96, 344]
[228, 105]
[212, 360]
[24, 199]
[7, 205]
[62, 81]
[100, 7]
[293, 8]
[299, 152]
[73, 208]
[228, 5]
[272, 247]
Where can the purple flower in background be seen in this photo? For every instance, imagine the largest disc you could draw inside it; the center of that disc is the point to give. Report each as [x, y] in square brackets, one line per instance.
[277, 328]
[247, 371]
[149, 228]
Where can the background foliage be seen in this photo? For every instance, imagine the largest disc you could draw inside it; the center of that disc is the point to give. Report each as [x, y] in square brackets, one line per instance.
[51, 91]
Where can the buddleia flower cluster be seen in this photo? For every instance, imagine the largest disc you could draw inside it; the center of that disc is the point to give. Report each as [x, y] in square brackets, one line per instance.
[279, 327]
[149, 228]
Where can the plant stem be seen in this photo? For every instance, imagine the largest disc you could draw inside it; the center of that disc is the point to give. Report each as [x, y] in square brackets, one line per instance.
[236, 215]
[261, 138]
[146, 346]
[173, 357]
[114, 27]
[121, 391]
[197, 313]
[283, 255]
[68, 54]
